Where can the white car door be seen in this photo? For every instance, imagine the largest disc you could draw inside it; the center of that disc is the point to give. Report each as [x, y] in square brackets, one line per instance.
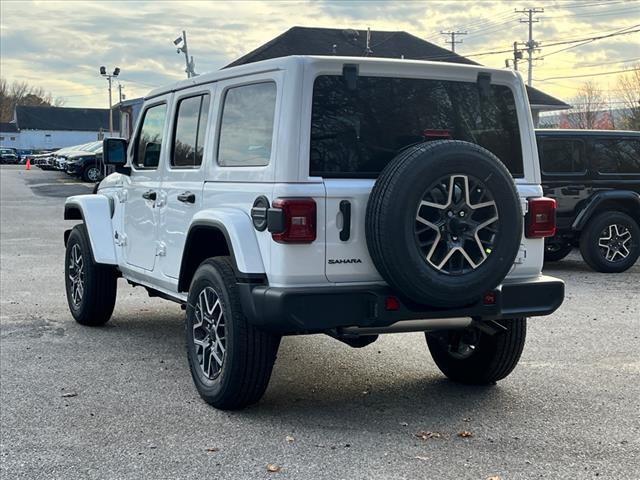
[142, 197]
[183, 173]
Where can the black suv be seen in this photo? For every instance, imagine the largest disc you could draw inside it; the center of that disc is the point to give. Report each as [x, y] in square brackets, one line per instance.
[594, 175]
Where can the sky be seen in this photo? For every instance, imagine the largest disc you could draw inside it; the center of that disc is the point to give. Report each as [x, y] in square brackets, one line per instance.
[59, 45]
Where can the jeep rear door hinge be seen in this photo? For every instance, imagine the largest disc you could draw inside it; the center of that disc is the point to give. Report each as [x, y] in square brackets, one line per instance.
[161, 249]
[120, 239]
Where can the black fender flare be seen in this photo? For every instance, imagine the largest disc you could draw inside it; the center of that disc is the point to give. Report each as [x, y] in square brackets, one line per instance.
[218, 226]
[598, 199]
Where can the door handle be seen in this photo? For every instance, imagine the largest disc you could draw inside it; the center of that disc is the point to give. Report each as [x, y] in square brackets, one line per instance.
[150, 195]
[345, 209]
[187, 197]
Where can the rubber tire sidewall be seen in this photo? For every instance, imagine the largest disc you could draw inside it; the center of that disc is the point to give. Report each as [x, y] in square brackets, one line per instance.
[250, 353]
[391, 214]
[495, 358]
[85, 174]
[559, 254]
[100, 283]
[591, 234]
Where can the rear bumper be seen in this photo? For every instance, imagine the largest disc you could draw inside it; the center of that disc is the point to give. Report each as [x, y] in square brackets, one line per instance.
[318, 309]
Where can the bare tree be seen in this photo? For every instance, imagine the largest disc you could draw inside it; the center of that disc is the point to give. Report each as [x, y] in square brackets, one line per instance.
[589, 109]
[21, 93]
[629, 87]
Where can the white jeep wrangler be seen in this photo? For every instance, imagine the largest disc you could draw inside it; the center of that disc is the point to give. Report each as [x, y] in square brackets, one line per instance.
[345, 196]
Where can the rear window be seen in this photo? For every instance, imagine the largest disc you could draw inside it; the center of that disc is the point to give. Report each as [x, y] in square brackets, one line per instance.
[617, 155]
[562, 156]
[355, 133]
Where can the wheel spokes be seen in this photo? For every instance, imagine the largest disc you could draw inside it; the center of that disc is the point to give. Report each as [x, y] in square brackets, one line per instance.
[209, 332]
[456, 224]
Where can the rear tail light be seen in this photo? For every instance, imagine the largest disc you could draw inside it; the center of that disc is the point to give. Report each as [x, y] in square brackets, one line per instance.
[297, 220]
[541, 218]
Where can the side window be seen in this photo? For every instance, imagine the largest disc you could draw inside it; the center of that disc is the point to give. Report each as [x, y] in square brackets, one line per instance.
[617, 155]
[246, 128]
[190, 131]
[562, 156]
[149, 141]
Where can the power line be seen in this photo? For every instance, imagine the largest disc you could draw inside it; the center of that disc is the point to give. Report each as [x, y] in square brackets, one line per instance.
[589, 41]
[594, 14]
[589, 74]
[552, 44]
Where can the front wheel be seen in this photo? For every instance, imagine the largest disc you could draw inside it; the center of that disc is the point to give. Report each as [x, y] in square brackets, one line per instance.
[91, 287]
[92, 174]
[230, 360]
[611, 242]
[475, 357]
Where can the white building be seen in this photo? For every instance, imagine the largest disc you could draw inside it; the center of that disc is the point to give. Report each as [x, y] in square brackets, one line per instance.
[9, 135]
[38, 128]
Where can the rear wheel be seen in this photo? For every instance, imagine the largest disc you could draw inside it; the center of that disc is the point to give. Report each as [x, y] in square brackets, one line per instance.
[91, 287]
[611, 242]
[556, 251]
[230, 360]
[475, 357]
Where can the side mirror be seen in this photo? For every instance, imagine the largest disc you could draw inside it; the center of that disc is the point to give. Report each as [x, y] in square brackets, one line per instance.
[114, 152]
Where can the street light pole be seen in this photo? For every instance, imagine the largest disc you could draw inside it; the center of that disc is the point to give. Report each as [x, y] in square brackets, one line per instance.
[110, 110]
[109, 77]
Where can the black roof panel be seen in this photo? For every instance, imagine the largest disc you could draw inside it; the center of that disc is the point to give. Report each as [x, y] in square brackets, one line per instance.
[321, 41]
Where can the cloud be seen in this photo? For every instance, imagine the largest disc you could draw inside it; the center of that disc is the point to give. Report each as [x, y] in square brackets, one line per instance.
[60, 45]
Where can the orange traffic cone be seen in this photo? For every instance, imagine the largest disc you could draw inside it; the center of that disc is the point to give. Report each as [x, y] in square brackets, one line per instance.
[28, 164]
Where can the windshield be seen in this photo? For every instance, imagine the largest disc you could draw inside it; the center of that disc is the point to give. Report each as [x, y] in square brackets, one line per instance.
[94, 147]
[355, 133]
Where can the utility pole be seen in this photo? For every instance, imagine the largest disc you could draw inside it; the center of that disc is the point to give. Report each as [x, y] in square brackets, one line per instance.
[120, 94]
[109, 77]
[517, 55]
[531, 43]
[190, 69]
[453, 40]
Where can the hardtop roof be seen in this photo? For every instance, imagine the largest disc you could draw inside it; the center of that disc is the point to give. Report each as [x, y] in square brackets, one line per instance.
[282, 63]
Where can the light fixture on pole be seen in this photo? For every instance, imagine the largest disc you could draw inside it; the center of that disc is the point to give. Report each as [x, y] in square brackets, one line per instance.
[109, 76]
[190, 69]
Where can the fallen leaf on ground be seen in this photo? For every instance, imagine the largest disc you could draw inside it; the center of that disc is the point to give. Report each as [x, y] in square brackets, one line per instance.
[69, 395]
[465, 434]
[494, 477]
[273, 468]
[421, 458]
[213, 449]
[428, 435]
[289, 438]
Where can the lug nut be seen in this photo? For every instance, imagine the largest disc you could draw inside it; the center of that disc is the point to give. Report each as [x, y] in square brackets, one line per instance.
[461, 214]
[450, 213]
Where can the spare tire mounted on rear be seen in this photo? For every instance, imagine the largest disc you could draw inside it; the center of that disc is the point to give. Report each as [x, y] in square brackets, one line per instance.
[444, 223]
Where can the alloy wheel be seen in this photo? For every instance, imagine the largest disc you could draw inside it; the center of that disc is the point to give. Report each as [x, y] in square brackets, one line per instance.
[456, 224]
[209, 333]
[614, 241]
[93, 174]
[76, 274]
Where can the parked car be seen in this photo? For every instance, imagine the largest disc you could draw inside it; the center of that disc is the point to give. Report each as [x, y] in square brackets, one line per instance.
[345, 196]
[59, 158]
[594, 175]
[86, 164]
[9, 156]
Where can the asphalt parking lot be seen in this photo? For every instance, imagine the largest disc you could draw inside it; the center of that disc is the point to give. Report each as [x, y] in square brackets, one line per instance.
[118, 401]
